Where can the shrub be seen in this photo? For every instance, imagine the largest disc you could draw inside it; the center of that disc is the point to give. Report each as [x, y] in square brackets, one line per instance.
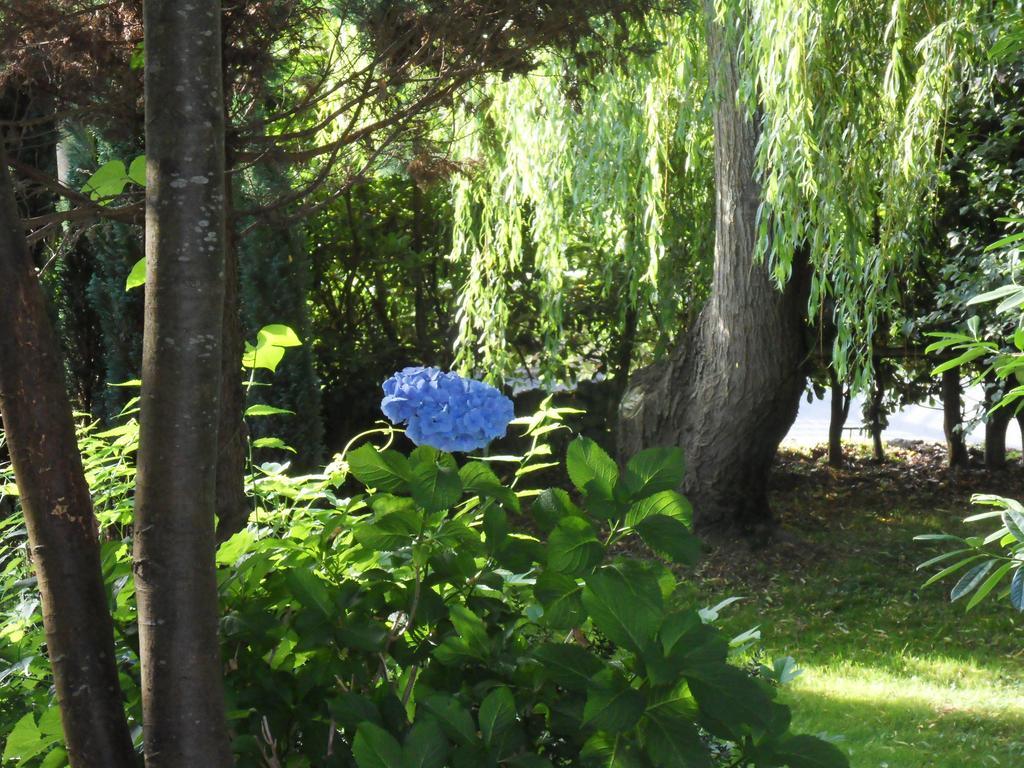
[405, 610]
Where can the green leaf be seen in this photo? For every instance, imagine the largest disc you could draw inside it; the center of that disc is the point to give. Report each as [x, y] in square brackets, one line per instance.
[137, 170]
[272, 442]
[1017, 589]
[350, 709]
[311, 591]
[436, 484]
[50, 724]
[137, 277]
[561, 597]
[654, 470]
[951, 569]
[267, 410]
[57, 758]
[990, 583]
[389, 532]
[612, 751]
[425, 746]
[384, 470]
[471, 628]
[801, 751]
[670, 537]
[730, 696]
[586, 461]
[969, 356]
[669, 736]
[971, 580]
[374, 747]
[996, 294]
[573, 547]
[1013, 519]
[454, 718]
[279, 336]
[568, 665]
[668, 503]
[497, 714]
[263, 355]
[24, 741]
[627, 611]
[551, 506]
[138, 57]
[612, 704]
[528, 761]
[479, 479]
[108, 181]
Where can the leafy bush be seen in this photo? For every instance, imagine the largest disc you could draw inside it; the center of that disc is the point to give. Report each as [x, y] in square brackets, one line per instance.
[397, 611]
[995, 559]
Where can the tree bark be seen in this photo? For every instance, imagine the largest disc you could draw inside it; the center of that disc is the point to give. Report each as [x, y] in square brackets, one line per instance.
[62, 530]
[175, 579]
[1020, 425]
[232, 504]
[996, 424]
[952, 419]
[731, 389]
[840, 411]
[876, 416]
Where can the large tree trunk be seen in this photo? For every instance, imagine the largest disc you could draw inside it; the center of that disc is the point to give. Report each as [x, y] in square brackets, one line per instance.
[840, 411]
[731, 389]
[952, 419]
[62, 532]
[175, 579]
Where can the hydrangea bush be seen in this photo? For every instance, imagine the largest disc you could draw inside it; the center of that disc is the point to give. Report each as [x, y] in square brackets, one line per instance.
[409, 611]
[445, 410]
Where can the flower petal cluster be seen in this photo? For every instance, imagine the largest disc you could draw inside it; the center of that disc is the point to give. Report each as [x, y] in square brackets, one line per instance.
[445, 410]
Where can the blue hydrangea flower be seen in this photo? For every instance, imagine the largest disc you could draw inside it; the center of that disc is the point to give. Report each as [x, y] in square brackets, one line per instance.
[444, 410]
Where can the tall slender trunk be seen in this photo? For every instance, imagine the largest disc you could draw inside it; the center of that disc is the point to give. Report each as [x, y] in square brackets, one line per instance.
[952, 419]
[175, 579]
[1020, 425]
[232, 504]
[730, 390]
[62, 532]
[996, 424]
[876, 416]
[840, 410]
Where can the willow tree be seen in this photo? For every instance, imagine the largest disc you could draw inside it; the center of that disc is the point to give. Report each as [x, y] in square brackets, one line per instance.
[823, 187]
[603, 180]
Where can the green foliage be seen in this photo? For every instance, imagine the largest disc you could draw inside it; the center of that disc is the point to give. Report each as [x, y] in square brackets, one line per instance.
[111, 178]
[275, 280]
[995, 560]
[395, 610]
[595, 191]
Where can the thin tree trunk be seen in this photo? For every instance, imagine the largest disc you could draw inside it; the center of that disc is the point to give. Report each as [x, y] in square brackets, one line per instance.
[175, 579]
[62, 531]
[232, 504]
[996, 424]
[876, 417]
[952, 419]
[731, 390]
[1020, 425]
[840, 410]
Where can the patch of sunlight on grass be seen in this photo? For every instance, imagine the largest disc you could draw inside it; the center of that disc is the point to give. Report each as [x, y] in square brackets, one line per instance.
[945, 713]
[941, 687]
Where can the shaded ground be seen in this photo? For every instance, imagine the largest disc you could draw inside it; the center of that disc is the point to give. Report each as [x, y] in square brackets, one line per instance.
[904, 677]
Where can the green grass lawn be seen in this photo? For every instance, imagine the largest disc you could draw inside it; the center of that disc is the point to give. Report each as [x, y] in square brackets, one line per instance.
[900, 676]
